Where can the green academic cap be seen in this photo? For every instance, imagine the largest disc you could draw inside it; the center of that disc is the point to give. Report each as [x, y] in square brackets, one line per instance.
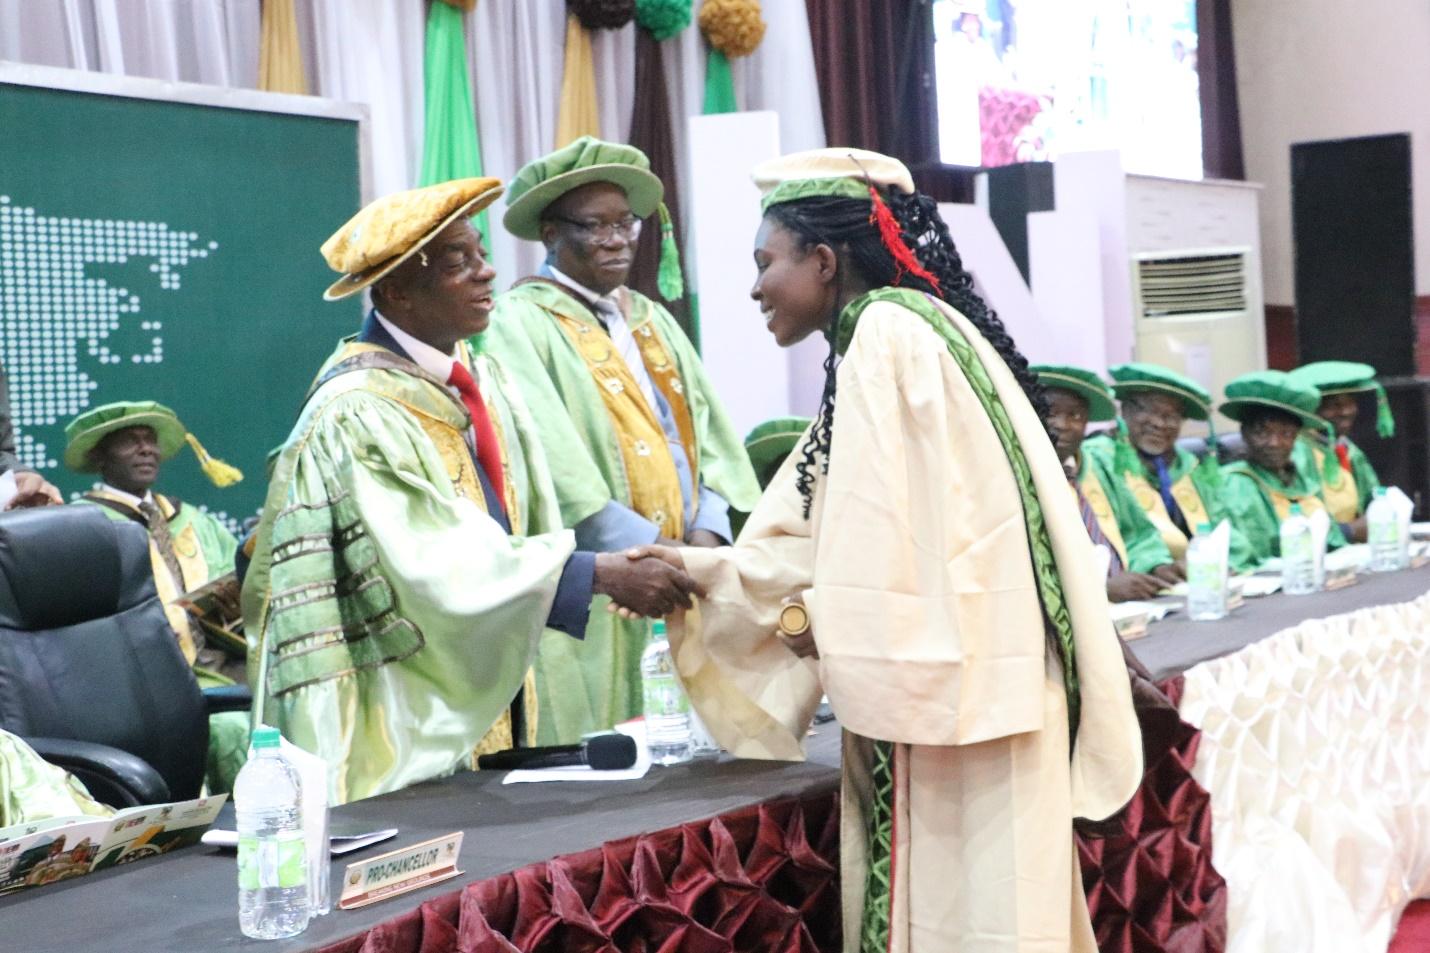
[588, 159]
[772, 441]
[1085, 384]
[1140, 377]
[1281, 391]
[1349, 377]
[85, 432]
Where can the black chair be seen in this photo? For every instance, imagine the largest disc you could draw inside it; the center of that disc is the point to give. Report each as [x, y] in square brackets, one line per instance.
[91, 674]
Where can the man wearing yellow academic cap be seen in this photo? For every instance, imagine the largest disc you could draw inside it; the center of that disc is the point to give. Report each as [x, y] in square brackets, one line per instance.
[410, 552]
[641, 447]
[125, 443]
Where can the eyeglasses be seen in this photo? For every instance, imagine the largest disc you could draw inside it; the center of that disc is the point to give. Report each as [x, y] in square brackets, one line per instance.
[599, 233]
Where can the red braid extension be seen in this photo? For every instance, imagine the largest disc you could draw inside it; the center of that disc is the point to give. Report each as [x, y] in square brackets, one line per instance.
[892, 234]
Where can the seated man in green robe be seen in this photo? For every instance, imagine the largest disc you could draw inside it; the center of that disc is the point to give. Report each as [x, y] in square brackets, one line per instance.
[410, 552]
[1349, 489]
[641, 447]
[1177, 491]
[125, 443]
[1272, 409]
[1141, 563]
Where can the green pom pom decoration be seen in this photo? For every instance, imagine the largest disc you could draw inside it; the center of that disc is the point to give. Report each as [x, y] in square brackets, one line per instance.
[663, 18]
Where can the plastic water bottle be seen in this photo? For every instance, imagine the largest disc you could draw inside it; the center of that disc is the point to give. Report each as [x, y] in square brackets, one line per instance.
[272, 855]
[1206, 577]
[667, 710]
[1298, 554]
[1383, 532]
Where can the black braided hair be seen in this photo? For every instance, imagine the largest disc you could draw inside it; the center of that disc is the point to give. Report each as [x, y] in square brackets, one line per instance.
[844, 224]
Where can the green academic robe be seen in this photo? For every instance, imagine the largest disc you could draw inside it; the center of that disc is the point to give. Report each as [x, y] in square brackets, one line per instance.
[1127, 528]
[392, 620]
[1259, 500]
[1195, 490]
[1346, 501]
[32, 789]
[595, 683]
[205, 550]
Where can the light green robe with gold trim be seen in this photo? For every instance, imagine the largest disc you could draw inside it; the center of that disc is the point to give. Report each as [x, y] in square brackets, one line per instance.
[1143, 544]
[591, 685]
[393, 620]
[205, 549]
[32, 789]
[1254, 497]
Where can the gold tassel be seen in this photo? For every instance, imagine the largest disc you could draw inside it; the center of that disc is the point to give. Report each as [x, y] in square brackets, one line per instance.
[220, 474]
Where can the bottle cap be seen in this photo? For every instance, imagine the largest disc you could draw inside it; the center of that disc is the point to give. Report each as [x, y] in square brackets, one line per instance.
[1380, 491]
[1203, 528]
[265, 737]
[1295, 509]
[657, 629]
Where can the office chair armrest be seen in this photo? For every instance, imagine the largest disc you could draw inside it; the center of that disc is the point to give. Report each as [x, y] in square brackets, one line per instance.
[228, 698]
[111, 776]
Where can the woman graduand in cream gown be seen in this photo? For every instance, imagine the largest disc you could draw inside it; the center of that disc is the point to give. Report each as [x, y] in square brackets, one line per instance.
[957, 620]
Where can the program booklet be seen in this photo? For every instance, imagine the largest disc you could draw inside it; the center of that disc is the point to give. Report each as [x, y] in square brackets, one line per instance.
[43, 852]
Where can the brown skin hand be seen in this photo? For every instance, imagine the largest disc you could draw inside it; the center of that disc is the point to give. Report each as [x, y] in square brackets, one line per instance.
[1067, 421]
[800, 290]
[33, 490]
[1269, 442]
[601, 266]
[1341, 410]
[128, 459]
[1154, 421]
[447, 299]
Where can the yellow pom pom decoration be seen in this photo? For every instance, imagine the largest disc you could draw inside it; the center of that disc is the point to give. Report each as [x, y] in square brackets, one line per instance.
[734, 27]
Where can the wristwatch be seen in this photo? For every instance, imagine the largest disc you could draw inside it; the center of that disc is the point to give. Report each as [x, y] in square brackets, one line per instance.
[794, 620]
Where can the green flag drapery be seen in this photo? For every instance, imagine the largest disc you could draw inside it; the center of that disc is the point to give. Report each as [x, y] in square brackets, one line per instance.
[451, 148]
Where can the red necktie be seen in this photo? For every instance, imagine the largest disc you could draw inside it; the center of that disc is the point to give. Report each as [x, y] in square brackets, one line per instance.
[488, 450]
[1344, 456]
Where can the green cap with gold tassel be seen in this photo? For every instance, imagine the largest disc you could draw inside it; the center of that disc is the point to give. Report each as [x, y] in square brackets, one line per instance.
[84, 433]
[1349, 377]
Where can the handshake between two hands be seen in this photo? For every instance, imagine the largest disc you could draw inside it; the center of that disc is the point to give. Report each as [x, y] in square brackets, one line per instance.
[645, 581]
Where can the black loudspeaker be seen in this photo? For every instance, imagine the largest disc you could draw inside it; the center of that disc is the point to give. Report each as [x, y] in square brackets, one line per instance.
[1355, 252]
[1013, 192]
[1405, 460]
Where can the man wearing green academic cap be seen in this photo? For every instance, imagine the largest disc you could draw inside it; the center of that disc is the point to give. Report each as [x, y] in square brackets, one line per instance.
[1177, 491]
[125, 443]
[640, 447]
[1272, 408]
[1141, 563]
[1348, 487]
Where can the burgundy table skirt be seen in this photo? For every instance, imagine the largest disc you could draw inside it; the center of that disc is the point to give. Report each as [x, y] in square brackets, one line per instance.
[766, 878]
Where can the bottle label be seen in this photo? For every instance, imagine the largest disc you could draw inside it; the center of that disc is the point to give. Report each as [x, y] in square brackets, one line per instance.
[1297, 548]
[1205, 575]
[663, 696]
[1384, 533]
[275, 861]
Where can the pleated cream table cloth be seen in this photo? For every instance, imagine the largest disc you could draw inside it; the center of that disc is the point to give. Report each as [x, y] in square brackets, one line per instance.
[1316, 750]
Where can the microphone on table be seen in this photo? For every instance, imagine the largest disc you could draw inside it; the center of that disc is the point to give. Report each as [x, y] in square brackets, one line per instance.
[607, 752]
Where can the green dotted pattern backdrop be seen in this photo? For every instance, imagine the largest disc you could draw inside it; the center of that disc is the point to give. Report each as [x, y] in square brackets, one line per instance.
[154, 250]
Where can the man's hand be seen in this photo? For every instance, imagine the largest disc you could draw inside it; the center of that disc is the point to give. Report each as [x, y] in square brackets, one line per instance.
[643, 585]
[1128, 586]
[1356, 531]
[33, 490]
[703, 538]
[1171, 573]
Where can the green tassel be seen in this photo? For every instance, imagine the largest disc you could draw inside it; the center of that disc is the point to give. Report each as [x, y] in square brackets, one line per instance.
[1384, 420]
[1124, 456]
[1209, 466]
[1330, 463]
[668, 278]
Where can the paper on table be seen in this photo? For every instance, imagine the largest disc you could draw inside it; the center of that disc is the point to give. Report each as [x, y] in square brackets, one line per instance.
[8, 489]
[634, 729]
